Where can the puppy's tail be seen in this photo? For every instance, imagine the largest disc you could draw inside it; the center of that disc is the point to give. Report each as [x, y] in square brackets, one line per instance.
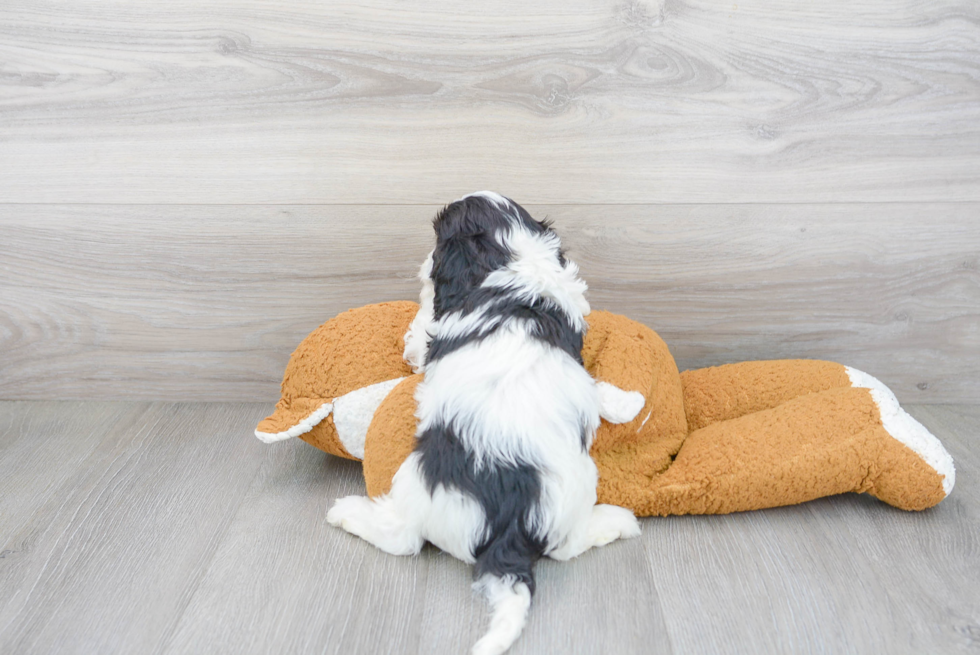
[509, 601]
[505, 559]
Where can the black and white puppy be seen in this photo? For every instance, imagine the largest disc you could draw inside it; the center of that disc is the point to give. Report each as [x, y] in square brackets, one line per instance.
[501, 473]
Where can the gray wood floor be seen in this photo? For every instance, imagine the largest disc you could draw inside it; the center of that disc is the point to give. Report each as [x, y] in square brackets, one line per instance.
[148, 527]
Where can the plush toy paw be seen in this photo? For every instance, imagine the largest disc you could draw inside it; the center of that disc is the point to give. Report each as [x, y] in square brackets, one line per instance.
[618, 406]
[609, 523]
[919, 473]
[905, 429]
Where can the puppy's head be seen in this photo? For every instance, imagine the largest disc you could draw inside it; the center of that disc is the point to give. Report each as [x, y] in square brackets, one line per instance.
[486, 243]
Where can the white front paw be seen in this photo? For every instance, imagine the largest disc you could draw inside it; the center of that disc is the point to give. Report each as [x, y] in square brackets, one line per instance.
[416, 348]
[618, 406]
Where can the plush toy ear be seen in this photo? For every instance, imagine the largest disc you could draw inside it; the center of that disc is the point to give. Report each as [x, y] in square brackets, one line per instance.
[338, 375]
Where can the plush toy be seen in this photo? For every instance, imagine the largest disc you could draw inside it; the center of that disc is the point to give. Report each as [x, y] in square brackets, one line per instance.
[708, 441]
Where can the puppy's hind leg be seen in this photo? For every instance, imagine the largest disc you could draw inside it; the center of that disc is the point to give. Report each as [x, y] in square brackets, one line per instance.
[392, 522]
[606, 524]
[376, 522]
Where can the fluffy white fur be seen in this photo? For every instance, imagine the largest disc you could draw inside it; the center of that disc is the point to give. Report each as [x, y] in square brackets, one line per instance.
[403, 519]
[509, 602]
[417, 339]
[536, 273]
[513, 400]
[618, 406]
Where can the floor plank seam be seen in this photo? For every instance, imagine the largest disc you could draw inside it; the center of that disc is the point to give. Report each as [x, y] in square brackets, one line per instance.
[187, 599]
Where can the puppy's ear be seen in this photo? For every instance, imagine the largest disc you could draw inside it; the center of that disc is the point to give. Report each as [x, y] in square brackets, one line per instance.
[449, 220]
[467, 250]
[469, 218]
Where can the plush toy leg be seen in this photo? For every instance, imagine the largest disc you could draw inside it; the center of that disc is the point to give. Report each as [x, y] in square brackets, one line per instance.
[607, 524]
[816, 445]
[390, 438]
[721, 393]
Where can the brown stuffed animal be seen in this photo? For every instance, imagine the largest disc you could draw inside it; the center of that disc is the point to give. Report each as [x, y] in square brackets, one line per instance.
[708, 441]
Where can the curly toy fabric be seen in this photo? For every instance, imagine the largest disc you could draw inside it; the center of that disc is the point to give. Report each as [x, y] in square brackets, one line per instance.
[709, 441]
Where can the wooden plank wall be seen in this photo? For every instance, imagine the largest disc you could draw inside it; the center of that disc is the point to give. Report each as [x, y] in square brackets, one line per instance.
[187, 189]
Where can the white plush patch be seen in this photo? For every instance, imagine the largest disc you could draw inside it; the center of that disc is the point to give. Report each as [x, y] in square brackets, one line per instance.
[302, 427]
[353, 412]
[644, 421]
[618, 406]
[906, 429]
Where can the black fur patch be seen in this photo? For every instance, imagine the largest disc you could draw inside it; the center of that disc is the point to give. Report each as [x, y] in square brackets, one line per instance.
[550, 326]
[466, 252]
[508, 495]
[467, 249]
